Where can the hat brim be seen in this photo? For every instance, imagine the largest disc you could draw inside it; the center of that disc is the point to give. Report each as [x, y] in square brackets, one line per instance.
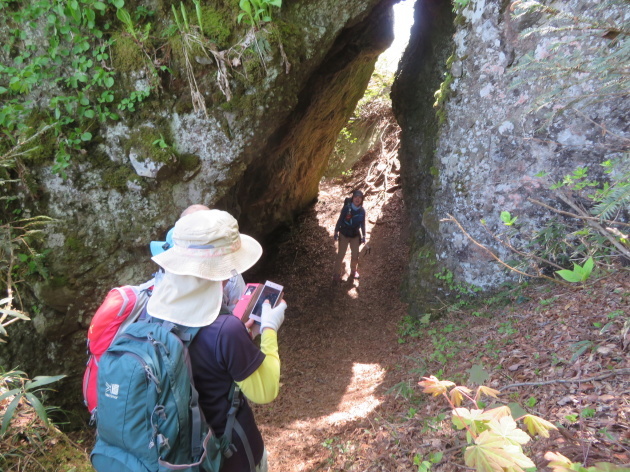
[210, 266]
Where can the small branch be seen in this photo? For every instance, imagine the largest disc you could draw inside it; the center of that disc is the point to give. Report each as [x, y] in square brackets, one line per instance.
[578, 380]
[573, 215]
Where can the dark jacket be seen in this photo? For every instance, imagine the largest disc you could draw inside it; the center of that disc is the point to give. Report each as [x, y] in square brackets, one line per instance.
[355, 225]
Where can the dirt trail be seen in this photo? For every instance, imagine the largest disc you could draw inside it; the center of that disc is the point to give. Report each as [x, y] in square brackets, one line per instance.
[338, 342]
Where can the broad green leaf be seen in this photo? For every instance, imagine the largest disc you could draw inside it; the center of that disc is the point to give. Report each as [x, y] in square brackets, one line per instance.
[517, 410]
[477, 374]
[8, 414]
[568, 275]
[588, 267]
[245, 6]
[38, 407]
[42, 380]
[536, 425]
[507, 219]
[10, 393]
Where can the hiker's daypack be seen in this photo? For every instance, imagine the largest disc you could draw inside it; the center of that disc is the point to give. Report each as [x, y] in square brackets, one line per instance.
[148, 416]
[347, 227]
[122, 306]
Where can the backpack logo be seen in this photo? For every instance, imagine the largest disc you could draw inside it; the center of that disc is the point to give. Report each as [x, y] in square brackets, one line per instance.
[111, 390]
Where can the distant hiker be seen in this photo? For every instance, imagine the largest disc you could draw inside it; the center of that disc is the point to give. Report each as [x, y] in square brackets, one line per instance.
[350, 230]
[233, 289]
[207, 250]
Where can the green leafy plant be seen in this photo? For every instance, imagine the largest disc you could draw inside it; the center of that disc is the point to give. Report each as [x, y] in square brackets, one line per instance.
[161, 143]
[17, 388]
[135, 98]
[256, 12]
[579, 273]
[425, 465]
[507, 218]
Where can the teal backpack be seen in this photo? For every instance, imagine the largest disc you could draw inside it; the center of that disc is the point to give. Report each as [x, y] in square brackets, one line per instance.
[148, 417]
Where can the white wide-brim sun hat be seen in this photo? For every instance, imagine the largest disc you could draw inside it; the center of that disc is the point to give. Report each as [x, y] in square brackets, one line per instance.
[208, 245]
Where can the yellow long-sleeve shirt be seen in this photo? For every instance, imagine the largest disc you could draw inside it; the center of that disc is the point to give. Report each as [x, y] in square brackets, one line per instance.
[264, 384]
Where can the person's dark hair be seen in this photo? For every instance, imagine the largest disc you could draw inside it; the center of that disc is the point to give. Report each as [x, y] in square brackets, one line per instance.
[357, 193]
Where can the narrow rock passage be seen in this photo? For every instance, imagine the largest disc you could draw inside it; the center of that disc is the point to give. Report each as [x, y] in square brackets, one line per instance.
[338, 343]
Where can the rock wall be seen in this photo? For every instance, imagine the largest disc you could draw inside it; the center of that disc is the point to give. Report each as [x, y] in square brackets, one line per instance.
[259, 155]
[477, 151]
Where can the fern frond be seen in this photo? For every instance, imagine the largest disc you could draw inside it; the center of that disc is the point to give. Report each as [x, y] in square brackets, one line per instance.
[616, 199]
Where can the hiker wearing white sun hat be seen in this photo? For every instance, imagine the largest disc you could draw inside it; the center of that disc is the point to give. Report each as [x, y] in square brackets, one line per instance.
[233, 288]
[207, 244]
[207, 250]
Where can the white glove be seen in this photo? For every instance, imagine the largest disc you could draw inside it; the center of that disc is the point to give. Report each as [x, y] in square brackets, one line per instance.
[272, 317]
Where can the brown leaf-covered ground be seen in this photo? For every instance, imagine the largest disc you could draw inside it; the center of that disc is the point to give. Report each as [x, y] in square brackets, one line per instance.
[351, 360]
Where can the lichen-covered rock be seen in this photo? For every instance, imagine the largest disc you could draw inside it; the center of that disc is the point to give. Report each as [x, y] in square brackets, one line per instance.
[477, 153]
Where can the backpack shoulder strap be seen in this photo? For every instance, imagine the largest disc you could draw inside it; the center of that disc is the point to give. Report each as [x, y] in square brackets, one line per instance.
[233, 425]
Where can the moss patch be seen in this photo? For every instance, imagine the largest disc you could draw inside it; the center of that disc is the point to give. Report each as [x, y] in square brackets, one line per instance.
[118, 177]
[189, 161]
[144, 141]
[289, 35]
[216, 25]
[42, 149]
[126, 54]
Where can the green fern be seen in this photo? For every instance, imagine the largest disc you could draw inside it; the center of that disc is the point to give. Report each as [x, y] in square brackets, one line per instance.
[616, 199]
